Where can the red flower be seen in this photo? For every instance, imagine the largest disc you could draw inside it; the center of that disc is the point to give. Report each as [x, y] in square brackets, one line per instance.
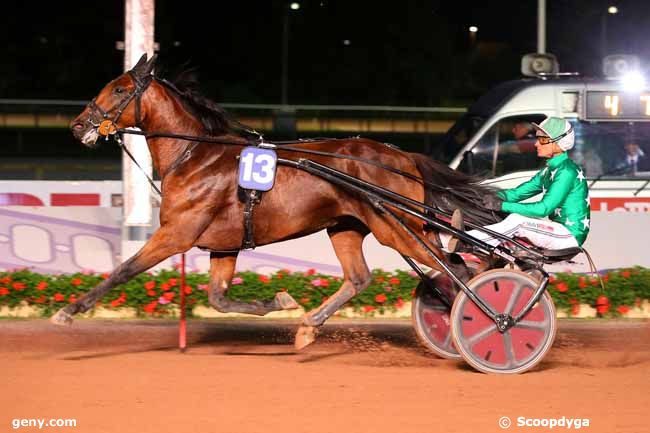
[58, 297]
[169, 295]
[575, 309]
[5, 280]
[151, 307]
[605, 278]
[380, 298]
[582, 282]
[637, 302]
[562, 287]
[594, 281]
[164, 287]
[72, 298]
[151, 293]
[413, 293]
[304, 300]
[40, 300]
[150, 285]
[116, 302]
[263, 278]
[105, 275]
[602, 304]
[279, 275]
[18, 286]
[368, 308]
[394, 281]
[399, 303]
[4, 291]
[76, 282]
[573, 301]
[625, 274]
[551, 279]
[380, 280]
[623, 309]
[310, 271]
[41, 286]
[187, 290]
[173, 282]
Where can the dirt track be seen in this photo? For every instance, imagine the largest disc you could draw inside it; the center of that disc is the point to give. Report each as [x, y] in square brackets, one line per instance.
[244, 377]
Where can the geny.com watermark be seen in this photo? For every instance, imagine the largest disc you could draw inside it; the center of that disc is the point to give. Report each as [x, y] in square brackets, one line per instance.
[42, 422]
[564, 422]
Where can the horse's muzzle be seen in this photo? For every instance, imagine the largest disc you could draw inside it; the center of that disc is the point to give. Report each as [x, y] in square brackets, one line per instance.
[84, 132]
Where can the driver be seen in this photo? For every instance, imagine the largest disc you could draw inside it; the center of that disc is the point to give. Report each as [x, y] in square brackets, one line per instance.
[565, 198]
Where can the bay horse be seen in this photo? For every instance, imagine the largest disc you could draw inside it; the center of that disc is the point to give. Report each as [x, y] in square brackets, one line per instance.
[201, 207]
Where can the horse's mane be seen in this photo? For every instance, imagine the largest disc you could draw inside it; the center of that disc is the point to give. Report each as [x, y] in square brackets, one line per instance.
[214, 119]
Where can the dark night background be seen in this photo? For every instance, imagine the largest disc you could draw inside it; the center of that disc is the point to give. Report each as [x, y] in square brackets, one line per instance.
[414, 53]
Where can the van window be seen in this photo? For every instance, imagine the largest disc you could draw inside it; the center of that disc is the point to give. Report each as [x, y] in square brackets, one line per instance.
[508, 146]
[612, 149]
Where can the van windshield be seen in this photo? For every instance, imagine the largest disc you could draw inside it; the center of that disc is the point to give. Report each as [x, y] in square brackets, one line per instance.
[458, 135]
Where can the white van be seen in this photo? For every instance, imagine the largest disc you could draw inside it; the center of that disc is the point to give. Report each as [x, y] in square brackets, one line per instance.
[612, 126]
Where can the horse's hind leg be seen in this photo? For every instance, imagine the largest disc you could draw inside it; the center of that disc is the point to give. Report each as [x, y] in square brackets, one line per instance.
[356, 277]
[222, 269]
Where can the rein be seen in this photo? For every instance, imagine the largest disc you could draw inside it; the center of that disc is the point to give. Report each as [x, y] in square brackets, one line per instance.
[108, 127]
[278, 145]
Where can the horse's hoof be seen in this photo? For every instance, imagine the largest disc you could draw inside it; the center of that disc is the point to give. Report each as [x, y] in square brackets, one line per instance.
[286, 301]
[305, 336]
[61, 318]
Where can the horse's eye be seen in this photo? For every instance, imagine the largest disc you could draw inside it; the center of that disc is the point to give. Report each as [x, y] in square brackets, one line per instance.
[119, 90]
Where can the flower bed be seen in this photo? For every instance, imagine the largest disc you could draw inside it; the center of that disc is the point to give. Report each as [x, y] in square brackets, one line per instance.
[158, 294]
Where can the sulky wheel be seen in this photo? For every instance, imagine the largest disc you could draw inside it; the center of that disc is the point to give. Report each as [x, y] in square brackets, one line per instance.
[518, 349]
[431, 316]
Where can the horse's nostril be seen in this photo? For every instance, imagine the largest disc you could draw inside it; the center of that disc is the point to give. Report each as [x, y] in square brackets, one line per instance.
[78, 126]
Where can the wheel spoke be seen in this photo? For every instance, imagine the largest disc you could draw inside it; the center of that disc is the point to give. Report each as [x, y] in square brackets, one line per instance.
[528, 324]
[516, 292]
[507, 346]
[447, 342]
[481, 335]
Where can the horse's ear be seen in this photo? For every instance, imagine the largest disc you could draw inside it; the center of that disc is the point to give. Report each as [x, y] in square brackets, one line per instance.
[141, 62]
[148, 67]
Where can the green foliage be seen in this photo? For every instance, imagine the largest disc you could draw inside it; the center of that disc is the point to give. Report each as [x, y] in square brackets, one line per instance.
[159, 294]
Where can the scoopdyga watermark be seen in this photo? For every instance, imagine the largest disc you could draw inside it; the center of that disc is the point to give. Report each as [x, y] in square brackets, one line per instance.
[546, 423]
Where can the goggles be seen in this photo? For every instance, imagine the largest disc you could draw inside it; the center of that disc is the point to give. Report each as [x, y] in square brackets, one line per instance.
[545, 139]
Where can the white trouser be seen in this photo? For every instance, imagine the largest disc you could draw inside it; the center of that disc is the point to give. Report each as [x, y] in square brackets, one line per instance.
[542, 233]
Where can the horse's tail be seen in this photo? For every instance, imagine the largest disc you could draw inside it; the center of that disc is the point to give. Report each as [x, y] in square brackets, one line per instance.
[448, 189]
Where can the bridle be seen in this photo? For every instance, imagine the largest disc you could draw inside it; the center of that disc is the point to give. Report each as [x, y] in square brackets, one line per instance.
[99, 118]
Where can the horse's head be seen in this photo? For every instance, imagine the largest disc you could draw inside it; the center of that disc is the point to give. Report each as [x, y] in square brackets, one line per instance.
[118, 104]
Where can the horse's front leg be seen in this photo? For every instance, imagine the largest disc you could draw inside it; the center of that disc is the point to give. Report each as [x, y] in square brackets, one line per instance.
[163, 244]
[222, 269]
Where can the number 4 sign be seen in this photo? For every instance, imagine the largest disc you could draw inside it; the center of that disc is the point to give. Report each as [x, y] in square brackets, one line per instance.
[257, 168]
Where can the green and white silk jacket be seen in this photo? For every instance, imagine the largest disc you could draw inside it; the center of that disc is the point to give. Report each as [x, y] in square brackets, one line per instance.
[565, 197]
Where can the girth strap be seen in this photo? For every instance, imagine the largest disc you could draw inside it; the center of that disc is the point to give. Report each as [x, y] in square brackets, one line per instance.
[251, 198]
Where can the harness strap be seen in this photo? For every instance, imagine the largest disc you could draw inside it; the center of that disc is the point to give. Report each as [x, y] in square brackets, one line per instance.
[252, 197]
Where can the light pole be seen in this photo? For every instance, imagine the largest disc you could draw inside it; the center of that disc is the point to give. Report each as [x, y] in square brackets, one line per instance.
[293, 6]
[612, 10]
